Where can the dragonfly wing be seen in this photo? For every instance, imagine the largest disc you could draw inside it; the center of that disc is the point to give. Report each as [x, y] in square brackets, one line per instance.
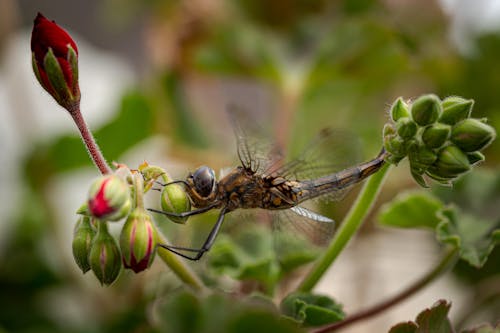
[311, 215]
[329, 152]
[254, 151]
[302, 223]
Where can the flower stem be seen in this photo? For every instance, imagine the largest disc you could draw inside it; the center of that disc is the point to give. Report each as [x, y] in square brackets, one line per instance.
[92, 147]
[447, 262]
[179, 267]
[349, 226]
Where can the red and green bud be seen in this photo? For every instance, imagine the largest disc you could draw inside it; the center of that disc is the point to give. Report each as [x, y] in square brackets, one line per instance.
[138, 241]
[406, 128]
[82, 241]
[435, 135]
[399, 109]
[455, 109]
[175, 200]
[472, 135]
[104, 257]
[109, 198]
[426, 109]
[55, 62]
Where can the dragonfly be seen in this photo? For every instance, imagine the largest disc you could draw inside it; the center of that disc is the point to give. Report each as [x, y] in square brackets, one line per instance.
[267, 182]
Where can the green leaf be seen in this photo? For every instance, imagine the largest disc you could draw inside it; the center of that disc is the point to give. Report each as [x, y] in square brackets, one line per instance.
[181, 313]
[411, 209]
[475, 237]
[218, 313]
[248, 255]
[311, 310]
[433, 320]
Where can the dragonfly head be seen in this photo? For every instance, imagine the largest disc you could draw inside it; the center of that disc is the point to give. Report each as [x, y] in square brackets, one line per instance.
[203, 181]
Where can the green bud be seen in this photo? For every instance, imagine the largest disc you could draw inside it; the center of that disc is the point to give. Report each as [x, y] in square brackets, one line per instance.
[435, 135]
[426, 109]
[104, 257]
[471, 135]
[420, 156]
[109, 198]
[475, 157]
[406, 128]
[82, 240]
[138, 241]
[175, 200]
[399, 109]
[455, 109]
[451, 162]
[396, 146]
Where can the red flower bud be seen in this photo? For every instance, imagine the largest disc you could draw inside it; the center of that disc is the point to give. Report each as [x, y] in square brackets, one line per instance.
[55, 62]
[138, 241]
[109, 198]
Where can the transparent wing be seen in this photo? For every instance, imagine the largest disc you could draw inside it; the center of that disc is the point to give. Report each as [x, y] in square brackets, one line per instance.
[302, 224]
[329, 152]
[255, 151]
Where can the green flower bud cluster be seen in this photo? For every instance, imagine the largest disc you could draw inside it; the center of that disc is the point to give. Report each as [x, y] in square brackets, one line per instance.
[439, 138]
[113, 198]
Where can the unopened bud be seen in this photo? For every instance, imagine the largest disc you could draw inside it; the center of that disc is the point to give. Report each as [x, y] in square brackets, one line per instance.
[426, 109]
[399, 109]
[420, 156]
[406, 128]
[435, 135]
[455, 109]
[82, 240]
[55, 62]
[109, 198]
[138, 241]
[104, 257]
[471, 135]
[451, 162]
[396, 146]
[175, 200]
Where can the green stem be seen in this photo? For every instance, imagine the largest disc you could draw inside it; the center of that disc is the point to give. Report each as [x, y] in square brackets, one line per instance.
[349, 226]
[179, 267]
[447, 262]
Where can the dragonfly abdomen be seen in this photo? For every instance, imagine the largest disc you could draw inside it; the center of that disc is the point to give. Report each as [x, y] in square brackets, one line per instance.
[340, 180]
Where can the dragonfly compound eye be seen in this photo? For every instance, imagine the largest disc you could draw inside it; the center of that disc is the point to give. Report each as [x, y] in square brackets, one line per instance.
[204, 181]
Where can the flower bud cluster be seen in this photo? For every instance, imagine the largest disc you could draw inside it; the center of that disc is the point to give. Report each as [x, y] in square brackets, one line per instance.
[439, 138]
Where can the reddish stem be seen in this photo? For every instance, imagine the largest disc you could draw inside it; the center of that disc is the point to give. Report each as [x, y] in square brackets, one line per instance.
[92, 147]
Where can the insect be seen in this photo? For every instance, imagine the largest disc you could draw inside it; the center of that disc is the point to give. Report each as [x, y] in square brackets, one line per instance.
[268, 183]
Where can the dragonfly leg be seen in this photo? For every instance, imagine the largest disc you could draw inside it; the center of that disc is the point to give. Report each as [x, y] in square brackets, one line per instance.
[206, 245]
[183, 214]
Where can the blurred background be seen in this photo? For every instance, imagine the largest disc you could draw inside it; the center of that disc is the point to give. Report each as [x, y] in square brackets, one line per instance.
[156, 77]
